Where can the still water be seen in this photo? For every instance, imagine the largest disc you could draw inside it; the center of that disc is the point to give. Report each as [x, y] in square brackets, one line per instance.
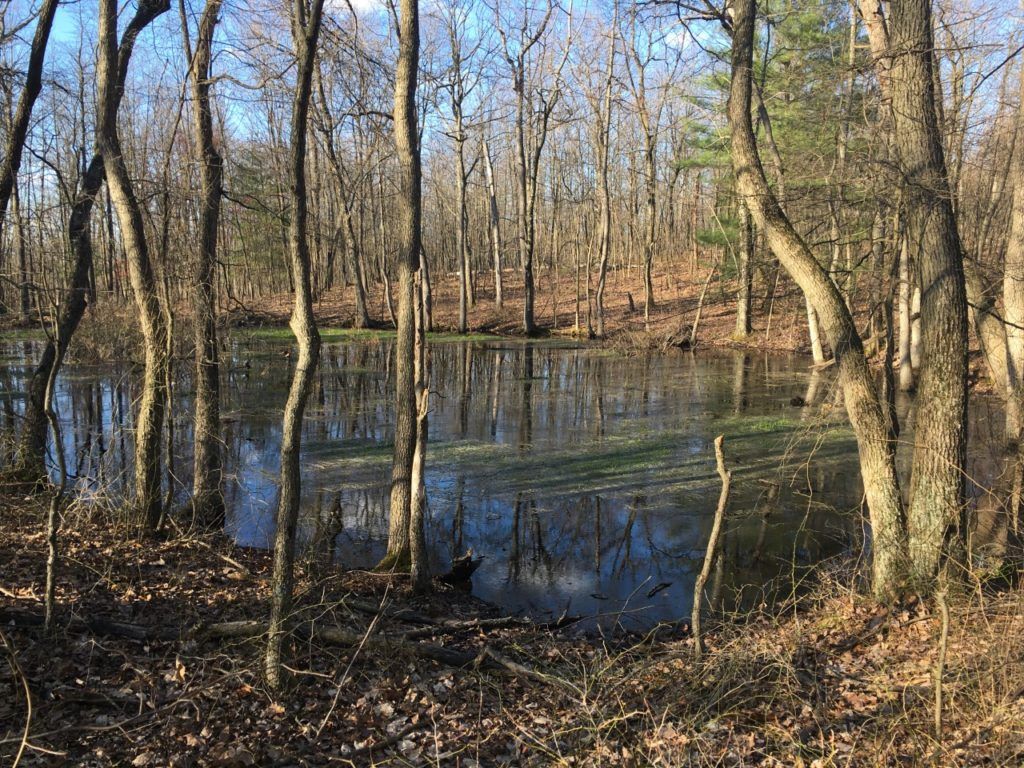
[586, 479]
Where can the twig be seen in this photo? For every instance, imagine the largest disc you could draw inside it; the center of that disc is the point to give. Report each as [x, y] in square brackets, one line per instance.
[487, 657]
[712, 550]
[16, 669]
[452, 625]
[940, 663]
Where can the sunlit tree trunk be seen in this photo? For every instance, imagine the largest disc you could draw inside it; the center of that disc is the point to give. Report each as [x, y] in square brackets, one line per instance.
[877, 453]
[905, 313]
[419, 570]
[937, 489]
[153, 403]
[603, 115]
[207, 493]
[1013, 276]
[494, 223]
[305, 17]
[408, 235]
[29, 462]
[744, 274]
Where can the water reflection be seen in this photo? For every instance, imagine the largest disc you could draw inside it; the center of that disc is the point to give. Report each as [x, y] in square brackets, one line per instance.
[586, 479]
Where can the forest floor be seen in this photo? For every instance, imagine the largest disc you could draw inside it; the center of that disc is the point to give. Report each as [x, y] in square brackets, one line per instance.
[142, 671]
[676, 300]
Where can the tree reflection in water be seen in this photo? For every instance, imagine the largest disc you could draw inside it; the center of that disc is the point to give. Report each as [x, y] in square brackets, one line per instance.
[585, 478]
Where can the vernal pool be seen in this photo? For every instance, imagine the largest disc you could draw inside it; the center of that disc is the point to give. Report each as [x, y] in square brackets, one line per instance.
[586, 479]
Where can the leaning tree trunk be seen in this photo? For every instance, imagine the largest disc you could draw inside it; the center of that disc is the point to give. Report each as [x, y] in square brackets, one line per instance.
[149, 422]
[15, 144]
[207, 492]
[408, 235]
[937, 489]
[30, 460]
[876, 451]
[305, 32]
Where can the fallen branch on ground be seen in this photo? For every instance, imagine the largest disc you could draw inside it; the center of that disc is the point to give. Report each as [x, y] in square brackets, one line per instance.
[487, 658]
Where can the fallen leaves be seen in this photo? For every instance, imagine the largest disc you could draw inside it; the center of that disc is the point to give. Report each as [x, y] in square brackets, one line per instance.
[771, 692]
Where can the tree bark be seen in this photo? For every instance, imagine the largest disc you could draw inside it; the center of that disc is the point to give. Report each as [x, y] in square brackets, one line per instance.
[937, 488]
[1013, 277]
[409, 205]
[494, 223]
[419, 570]
[29, 463]
[603, 113]
[877, 453]
[148, 500]
[744, 274]
[906, 321]
[305, 33]
[207, 491]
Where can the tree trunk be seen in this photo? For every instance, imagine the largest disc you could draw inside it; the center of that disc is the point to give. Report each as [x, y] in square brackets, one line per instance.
[207, 491]
[15, 144]
[906, 320]
[525, 209]
[651, 179]
[494, 221]
[877, 453]
[604, 119]
[29, 463]
[937, 490]
[149, 422]
[362, 316]
[817, 348]
[745, 275]
[1013, 275]
[461, 251]
[305, 32]
[408, 233]
[418, 566]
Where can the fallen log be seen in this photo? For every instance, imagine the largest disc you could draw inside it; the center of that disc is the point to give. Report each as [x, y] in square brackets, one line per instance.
[98, 625]
[456, 625]
[487, 658]
[337, 636]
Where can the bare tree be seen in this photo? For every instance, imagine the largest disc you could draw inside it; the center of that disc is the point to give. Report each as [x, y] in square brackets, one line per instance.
[877, 451]
[306, 19]
[207, 492]
[601, 104]
[149, 422]
[29, 462]
[532, 121]
[400, 520]
[18, 129]
[493, 222]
